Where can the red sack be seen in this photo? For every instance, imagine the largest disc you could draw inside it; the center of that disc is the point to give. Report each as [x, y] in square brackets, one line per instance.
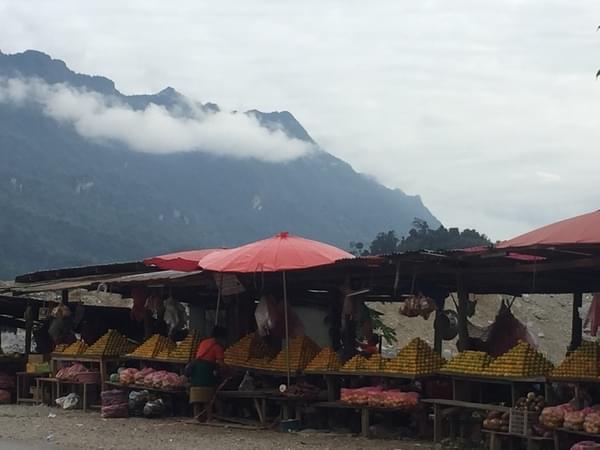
[506, 332]
[592, 318]
[6, 381]
[5, 397]
[586, 445]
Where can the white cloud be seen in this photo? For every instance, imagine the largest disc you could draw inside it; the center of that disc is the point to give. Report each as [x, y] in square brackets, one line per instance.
[154, 129]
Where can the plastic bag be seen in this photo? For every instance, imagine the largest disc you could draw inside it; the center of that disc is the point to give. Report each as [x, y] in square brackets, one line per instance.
[269, 315]
[137, 401]
[156, 408]
[592, 318]
[117, 411]
[506, 332]
[70, 401]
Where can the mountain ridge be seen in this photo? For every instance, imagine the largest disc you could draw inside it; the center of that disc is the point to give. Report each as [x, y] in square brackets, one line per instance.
[69, 200]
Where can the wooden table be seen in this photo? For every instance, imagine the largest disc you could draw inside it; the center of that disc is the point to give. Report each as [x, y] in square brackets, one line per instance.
[561, 435]
[444, 408]
[176, 394]
[55, 385]
[365, 412]
[259, 399]
[533, 442]
[24, 382]
[462, 385]
[102, 362]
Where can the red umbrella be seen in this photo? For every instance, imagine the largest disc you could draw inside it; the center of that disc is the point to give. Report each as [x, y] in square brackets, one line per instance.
[279, 253]
[186, 261]
[276, 254]
[584, 229]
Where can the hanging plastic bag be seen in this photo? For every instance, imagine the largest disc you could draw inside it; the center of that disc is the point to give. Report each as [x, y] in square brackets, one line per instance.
[592, 318]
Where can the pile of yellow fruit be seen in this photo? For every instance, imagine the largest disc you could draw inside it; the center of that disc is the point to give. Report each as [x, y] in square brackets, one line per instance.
[520, 361]
[112, 343]
[326, 361]
[250, 347]
[355, 364]
[374, 363]
[153, 346]
[417, 358]
[186, 349]
[60, 348]
[582, 363]
[76, 348]
[302, 350]
[468, 362]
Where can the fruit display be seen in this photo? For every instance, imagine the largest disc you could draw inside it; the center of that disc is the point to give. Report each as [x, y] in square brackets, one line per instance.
[76, 348]
[374, 363]
[354, 364]
[302, 350]
[591, 424]
[60, 348]
[582, 363]
[531, 402]
[574, 420]
[497, 421]
[520, 361]
[154, 345]
[380, 398]
[416, 358]
[112, 343]
[250, 347]
[326, 361]
[468, 362]
[553, 416]
[302, 390]
[186, 349]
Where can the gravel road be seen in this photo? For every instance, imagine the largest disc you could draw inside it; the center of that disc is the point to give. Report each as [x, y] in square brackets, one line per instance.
[36, 428]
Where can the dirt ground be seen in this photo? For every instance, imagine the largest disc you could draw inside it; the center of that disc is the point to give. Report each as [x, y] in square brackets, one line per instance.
[36, 427]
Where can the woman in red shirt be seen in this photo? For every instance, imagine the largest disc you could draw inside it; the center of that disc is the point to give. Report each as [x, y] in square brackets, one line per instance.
[203, 371]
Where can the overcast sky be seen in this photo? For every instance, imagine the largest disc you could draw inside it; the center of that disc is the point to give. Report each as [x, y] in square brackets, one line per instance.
[488, 110]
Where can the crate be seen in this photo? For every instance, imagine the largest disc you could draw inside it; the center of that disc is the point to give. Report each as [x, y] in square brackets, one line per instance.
[521, 421]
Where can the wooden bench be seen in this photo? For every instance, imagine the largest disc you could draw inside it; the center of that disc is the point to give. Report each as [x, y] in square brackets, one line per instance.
[443, 408]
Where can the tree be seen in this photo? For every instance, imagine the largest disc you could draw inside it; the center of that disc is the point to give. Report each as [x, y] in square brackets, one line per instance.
[384, 242]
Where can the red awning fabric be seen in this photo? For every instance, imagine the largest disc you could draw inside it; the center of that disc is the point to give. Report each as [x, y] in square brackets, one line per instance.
[186, 261]
[579, 230]
[276, 254]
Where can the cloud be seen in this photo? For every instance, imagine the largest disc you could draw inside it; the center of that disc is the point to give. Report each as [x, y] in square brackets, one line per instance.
[154, 129]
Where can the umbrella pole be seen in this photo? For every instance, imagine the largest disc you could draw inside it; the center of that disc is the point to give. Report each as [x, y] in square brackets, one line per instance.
[219, 300]
[287, 331]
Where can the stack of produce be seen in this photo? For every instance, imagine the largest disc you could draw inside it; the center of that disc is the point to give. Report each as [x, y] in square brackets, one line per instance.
[355, 364]
[520, 361]
[76, 348]
[326, 361]
[186, 349]
[250, 347]
[378, 397]
[468, 362]
[115, 404]
[154, 345]
[582, 363]
[60, 348]
[497, 421]
[591, 424]
[553, 416]
[374, 363]
[124, 376]
[112, 343]
[302, 350]
[417, 358]
[532, 403]
[574, 420]
[70, 373]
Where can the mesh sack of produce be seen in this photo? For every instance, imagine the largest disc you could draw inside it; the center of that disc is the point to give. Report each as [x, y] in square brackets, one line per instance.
[591, 423]
[156, 408]
[114, 397]
[586, 445]
[5, 397]
[116, 411]
[6, 381]
[574, 420]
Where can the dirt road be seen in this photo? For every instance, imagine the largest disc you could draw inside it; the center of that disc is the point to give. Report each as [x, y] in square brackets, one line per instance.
[36, 427]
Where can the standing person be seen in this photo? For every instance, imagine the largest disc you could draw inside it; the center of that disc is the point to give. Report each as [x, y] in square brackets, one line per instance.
[203, 371]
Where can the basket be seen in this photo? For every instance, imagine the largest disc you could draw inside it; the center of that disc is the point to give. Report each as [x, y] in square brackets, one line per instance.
[521, 421]
[88, 377]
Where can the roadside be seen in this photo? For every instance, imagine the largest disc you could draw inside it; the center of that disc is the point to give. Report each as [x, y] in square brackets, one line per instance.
[40, 427]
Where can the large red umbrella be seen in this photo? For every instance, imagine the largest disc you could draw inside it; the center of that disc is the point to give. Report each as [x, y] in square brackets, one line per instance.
[186, 261]
[279, 253]
[579, 230]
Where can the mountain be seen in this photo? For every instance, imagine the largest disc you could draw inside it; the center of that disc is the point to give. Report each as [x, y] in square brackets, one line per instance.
[69, 200]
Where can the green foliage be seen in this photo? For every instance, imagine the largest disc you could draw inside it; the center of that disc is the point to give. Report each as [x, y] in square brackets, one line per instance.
[421, 237]
[387, 332]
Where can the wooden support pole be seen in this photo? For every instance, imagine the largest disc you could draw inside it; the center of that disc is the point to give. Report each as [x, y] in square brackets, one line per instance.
[437, 326]
[463, 305]
[576, 322]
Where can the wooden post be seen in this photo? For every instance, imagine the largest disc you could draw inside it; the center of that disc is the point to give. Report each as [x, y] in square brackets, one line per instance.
[576, 322]
[463, 304]
[437, 326]
[65, 297]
